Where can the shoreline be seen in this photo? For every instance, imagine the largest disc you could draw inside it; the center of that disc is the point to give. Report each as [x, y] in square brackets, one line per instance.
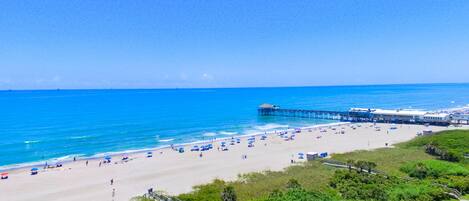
[79, 157]
[176, 173]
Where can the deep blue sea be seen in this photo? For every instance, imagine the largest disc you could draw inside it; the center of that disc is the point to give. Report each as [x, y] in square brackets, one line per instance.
[41, 125]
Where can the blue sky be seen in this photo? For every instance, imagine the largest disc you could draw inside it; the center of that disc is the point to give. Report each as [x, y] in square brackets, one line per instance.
[173, 43]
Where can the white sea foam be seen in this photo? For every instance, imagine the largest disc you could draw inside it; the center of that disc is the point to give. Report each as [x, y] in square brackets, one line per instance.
[166, 140]
[271, 126]
[228, 133]
[209, 134]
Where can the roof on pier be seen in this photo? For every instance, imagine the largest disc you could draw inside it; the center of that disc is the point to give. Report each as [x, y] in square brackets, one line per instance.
[267, 106]
[399, 112]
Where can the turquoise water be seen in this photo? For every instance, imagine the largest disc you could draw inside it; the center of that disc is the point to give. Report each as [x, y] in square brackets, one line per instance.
[40, 125]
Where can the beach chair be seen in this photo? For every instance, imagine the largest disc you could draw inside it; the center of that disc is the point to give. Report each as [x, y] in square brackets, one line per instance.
[4, 175]
[34, 171]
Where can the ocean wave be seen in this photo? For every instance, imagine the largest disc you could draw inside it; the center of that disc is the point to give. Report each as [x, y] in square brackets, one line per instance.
[271, 126]
[62, 159]
[79, 137]
[210, 134]
[31, 141]
[228, 133]
[166, 140]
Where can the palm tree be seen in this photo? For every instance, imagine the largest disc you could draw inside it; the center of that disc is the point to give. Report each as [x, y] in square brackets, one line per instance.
[350, 163]
[370, 166]
[228, 194]
[361, 165]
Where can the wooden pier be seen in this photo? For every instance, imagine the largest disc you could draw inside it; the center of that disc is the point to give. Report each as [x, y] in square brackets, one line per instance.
[364, 115]
[272, 110]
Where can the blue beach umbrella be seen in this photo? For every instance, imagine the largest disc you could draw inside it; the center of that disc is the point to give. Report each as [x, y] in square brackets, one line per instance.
[34, 169]
[107, 157]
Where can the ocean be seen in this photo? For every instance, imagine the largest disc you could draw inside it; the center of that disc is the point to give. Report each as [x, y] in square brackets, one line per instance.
[49, 124]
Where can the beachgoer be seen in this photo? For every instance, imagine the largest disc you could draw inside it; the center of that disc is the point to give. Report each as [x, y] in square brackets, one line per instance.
[86, 163]
[112, 181]
[113, 192]
[74, 158]
[200, 155]
[100, 163]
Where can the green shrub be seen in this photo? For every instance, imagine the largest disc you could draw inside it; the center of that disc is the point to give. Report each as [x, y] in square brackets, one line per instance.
[434, 169]
[356, 186]
[416, 191]
[448, 145]
[228, 194]
[299, 194]
[208, 192]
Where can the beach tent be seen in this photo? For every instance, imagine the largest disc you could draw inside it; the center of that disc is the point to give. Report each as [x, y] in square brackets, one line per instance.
[195, 148]
[250, 144]
[301, 156]
[149, 154]
[238, 140]
[181, 150]
[58, 164]
[34, 171]
[312, 156]
[4, 175]
[323, 155]
[107, 159]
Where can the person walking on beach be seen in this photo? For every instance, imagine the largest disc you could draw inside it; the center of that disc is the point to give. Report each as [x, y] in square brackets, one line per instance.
[112, 182]
[113, 193]
[99, 163]
[86, 163]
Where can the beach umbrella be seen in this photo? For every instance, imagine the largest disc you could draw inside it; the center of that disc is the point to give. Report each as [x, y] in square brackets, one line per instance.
[107, 157]
[34, 169]
[4, 175]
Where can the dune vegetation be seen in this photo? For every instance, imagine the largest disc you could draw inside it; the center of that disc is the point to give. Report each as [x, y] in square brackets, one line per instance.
[410, 171]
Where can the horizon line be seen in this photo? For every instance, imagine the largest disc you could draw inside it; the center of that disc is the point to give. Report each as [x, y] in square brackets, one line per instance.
[247, 87]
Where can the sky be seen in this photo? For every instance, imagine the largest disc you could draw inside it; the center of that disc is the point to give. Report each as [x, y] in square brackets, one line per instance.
[90, 44]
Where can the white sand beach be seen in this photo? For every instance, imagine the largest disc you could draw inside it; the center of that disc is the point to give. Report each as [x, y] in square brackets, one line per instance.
[176, 173]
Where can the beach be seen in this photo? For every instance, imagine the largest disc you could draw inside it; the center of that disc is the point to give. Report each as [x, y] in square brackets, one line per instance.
[176, 173]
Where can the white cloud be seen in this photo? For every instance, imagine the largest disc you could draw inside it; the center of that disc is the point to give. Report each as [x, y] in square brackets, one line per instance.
[207, 76]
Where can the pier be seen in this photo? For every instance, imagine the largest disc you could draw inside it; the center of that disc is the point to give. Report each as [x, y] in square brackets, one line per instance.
[272, 110]
[368, 115]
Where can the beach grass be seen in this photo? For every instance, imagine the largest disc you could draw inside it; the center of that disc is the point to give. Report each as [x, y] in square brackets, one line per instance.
[316, 177]
[310, 175]
[388, 160]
